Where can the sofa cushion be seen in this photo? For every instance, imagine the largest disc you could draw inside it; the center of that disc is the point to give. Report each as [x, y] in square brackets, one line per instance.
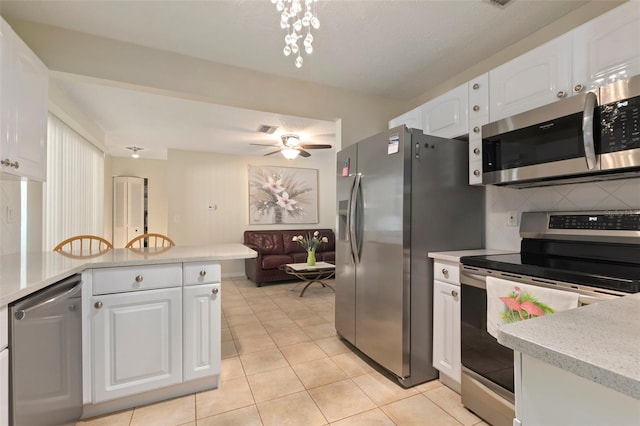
[273, 261]
[328, 256]
[268, 242]
[291, 246]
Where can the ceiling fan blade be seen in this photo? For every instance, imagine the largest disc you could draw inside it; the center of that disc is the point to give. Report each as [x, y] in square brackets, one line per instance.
[273, 152]
[304, 153]
[264, 144]
[316, 146]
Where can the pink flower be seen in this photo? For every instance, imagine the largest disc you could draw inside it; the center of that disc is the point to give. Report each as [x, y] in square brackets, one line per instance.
[274, 185]
[285, 202]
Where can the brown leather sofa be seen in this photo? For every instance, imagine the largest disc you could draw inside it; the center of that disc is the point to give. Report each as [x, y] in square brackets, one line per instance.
[276, 248]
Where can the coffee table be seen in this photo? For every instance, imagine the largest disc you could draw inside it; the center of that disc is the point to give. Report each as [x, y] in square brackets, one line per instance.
[311, 274]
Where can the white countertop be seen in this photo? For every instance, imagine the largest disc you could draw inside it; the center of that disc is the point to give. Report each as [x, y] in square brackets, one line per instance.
[454, 256]
[599, 342]
[23, 275]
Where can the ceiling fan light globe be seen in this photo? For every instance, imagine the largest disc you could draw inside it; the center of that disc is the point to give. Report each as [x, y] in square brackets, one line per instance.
[290, 153]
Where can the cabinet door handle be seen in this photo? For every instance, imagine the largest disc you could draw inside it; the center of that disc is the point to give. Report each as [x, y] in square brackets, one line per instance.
[445, 272]
[203, 273]
[476, 86]
[98, 305]
[454, 293]
[561, 94]
[476, 107]
[16, 165]
[6, 162]
[215, 290]
[476, 129]
[476, 172]
[139, 278]
[476, 151]
[578, 88]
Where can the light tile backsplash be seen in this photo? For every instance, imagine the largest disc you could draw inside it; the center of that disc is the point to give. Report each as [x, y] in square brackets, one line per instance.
[621, 194]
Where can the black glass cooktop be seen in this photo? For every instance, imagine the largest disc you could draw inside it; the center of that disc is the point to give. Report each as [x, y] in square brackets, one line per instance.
[613, 267]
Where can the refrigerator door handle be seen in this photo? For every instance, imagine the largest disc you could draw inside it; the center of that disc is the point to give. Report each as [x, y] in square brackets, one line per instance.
[353, 211]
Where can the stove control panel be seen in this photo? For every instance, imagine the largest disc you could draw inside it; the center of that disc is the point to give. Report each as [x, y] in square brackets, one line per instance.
[604, 222]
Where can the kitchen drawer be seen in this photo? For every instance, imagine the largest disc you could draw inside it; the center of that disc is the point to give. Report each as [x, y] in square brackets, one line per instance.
[4, 328]
[201, 273]
[448, 272]
[136, 278]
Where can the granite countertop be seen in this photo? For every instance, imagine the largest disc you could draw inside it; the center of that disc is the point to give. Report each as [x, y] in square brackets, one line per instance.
[23, 275]
[455, 255]
[599, 342]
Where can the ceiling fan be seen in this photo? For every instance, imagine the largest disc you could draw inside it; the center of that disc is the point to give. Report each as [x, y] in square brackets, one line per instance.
[291, 146]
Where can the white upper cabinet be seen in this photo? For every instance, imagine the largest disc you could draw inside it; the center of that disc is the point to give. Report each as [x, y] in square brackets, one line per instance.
[478, 116]
[24, 85]
[539, 77]
[447, 115]
[607, 48]
[411, 119]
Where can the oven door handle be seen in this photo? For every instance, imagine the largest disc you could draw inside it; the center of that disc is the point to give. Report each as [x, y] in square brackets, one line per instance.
[587, 130]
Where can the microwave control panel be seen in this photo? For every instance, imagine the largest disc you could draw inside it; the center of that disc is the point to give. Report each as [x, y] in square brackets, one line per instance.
[620, 125]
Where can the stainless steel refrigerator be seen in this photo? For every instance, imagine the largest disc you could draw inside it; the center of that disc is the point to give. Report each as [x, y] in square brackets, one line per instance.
[400, 195]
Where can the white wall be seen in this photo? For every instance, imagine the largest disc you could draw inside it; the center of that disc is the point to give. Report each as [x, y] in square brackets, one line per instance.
[156, 173]
[606, 195]
[197, 180]
[9, 215]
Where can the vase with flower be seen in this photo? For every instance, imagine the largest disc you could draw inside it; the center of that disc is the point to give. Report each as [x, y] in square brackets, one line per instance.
[310, 243]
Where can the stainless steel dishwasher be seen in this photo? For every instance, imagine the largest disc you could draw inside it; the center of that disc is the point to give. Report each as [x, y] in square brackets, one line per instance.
[46, 356]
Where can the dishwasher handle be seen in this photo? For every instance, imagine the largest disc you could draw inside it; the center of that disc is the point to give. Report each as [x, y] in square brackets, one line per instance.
[22, 313]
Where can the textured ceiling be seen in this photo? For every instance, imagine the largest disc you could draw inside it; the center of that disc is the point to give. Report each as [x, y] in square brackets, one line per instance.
[391, 48]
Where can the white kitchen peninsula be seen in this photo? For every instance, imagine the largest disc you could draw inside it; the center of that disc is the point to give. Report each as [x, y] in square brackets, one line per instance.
[150, 318]
[578, 367]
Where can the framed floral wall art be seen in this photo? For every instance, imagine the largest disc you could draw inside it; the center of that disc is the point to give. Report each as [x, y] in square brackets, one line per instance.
[281, 195]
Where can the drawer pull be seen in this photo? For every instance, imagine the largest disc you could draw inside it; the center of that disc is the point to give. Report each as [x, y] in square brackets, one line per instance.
[214, 291]
[561, 94]
[139, 278]
[445, 272]
[98, 305]
[203, 273]
[578, 88]
[454, 293]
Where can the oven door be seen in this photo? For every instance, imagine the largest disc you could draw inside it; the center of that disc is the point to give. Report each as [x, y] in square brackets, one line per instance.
[481, 352]
[487, 366]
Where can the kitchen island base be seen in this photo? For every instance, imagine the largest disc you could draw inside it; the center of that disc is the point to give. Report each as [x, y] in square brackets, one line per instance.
[170, 392]
[548, 395]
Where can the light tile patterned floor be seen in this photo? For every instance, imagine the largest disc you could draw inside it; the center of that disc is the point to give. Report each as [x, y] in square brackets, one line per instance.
[284, 365]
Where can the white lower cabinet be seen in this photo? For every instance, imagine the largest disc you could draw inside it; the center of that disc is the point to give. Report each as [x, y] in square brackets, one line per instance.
[137, 342]
[201, 315]
[4, 387]
[446, 329]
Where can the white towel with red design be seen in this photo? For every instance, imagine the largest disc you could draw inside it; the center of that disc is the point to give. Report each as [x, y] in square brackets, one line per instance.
[510, 301]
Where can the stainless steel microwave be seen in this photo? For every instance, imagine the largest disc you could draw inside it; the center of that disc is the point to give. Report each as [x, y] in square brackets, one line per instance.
[591, 136]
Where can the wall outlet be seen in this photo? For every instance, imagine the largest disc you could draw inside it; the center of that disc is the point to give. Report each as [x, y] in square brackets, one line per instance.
[512, 218]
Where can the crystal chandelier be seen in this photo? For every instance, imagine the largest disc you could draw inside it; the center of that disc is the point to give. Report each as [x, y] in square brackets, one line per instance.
[297, 16]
